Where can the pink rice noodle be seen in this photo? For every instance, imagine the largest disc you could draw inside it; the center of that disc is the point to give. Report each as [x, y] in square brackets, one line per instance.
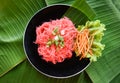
[53, 53]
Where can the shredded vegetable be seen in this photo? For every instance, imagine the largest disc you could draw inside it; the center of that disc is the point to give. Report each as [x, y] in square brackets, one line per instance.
[83, 43]
[88, 41]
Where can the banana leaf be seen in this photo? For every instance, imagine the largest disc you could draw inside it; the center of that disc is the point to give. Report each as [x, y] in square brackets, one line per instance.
[25, 73]
[68, 2]
[104, 70]
[13, 23]
[116, 79]
[107, 67]
[14, 15]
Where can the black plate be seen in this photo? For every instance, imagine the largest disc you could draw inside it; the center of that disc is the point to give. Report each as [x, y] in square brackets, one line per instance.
[68, 68]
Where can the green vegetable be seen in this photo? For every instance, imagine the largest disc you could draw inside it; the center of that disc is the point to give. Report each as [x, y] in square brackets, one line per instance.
[55, 31]
[96, 29]
[58, 39]
[56, 43]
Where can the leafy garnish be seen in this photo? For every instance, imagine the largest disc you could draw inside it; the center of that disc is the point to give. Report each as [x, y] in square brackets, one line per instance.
[89, 45]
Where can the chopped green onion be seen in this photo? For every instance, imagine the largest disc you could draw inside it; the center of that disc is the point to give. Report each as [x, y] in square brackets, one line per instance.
[61, 38]
[56, 29]
[56, 43]
[58, 39]
[49, 42]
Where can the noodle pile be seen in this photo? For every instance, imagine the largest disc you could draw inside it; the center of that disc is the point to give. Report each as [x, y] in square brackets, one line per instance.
[55, 40]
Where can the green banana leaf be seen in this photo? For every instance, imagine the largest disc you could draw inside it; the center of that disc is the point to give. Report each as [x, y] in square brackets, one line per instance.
[25, 73]
[107, 67]
[116, 79]
[13, 28]
[14, 15]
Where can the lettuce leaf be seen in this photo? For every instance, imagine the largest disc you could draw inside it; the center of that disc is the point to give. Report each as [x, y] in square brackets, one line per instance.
[97, 30]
